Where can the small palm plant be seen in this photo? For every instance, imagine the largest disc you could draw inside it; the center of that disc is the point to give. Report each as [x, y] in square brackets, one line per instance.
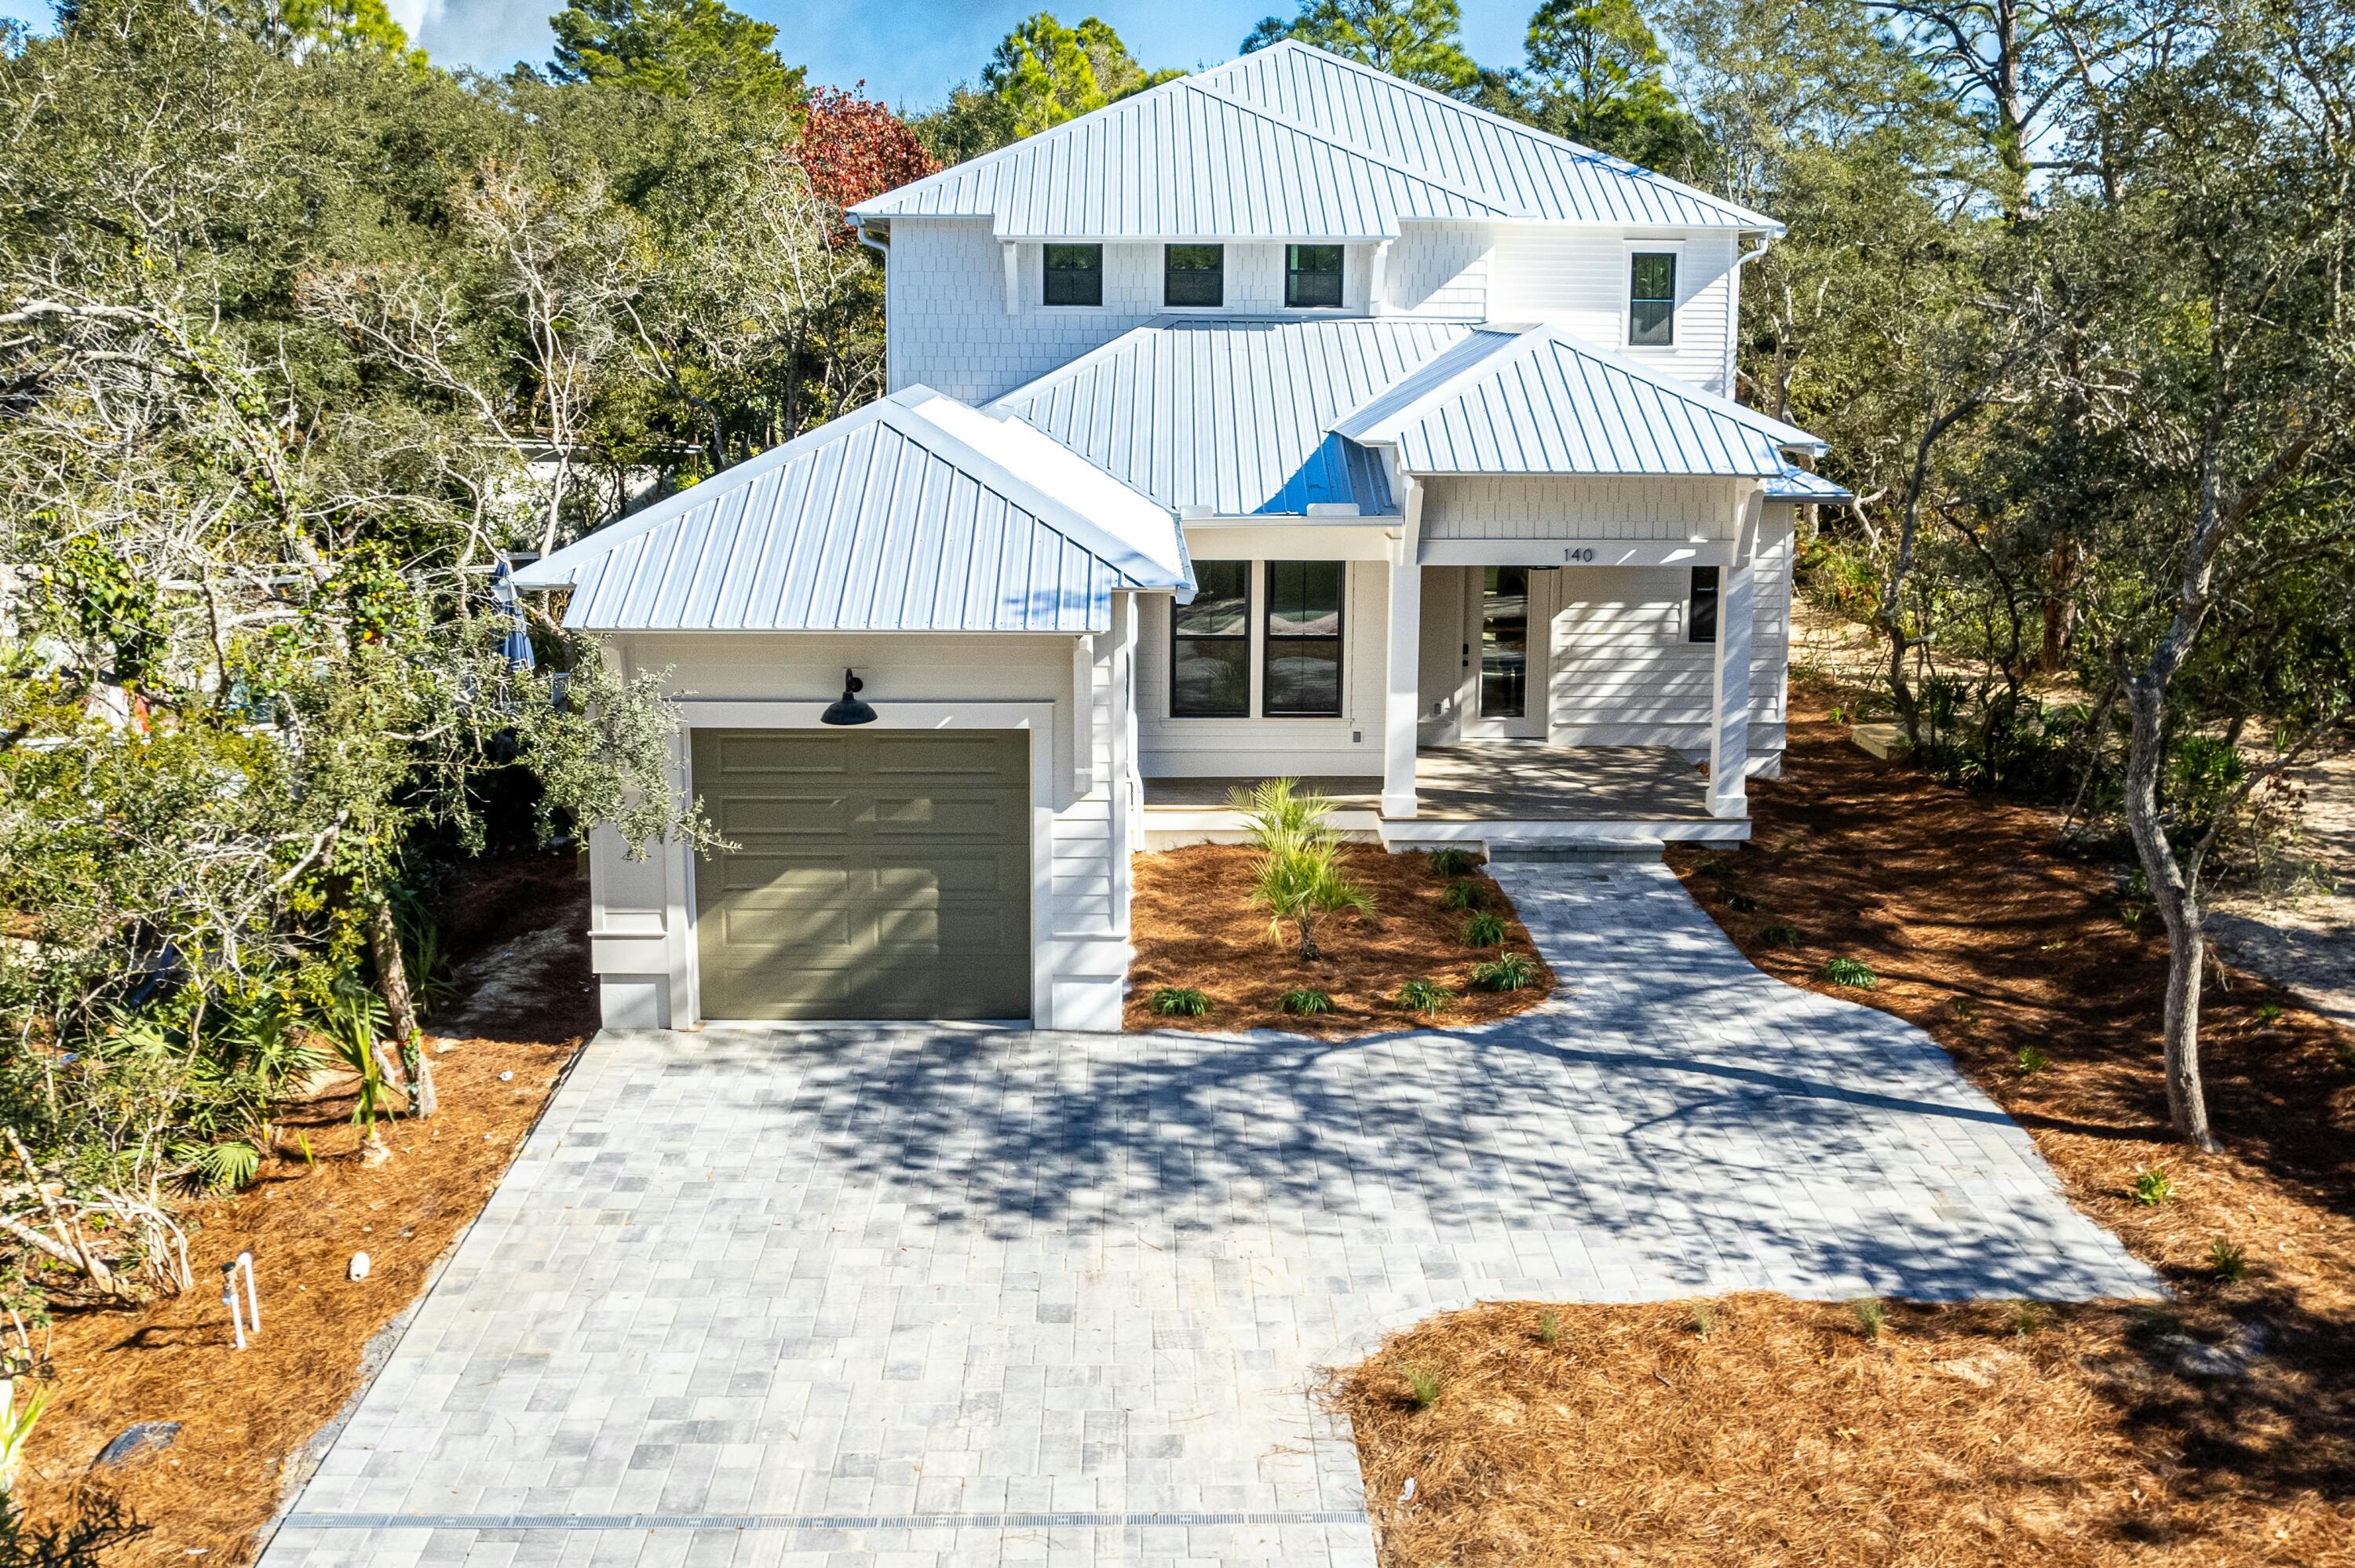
[1300, 881]
[17, 1423]
[354, 1021]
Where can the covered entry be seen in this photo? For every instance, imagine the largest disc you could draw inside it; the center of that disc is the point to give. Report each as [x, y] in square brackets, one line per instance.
[875, 874]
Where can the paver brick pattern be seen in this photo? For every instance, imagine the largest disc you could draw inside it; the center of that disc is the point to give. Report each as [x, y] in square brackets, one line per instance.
[943, 1295]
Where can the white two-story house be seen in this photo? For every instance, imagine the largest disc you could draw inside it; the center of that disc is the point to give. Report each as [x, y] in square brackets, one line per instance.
[1287, 418]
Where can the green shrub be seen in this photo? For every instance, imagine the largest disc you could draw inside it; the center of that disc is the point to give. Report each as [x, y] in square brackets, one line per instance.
[1704, 1318]
[2032, 1061]
[2025, 1319]
[2230, 1263]
[1463, 895]
[1870, 1317]
[1425, 1386]
[1854, 973]
[1716, 866]
[1303, 1004]
[1778, 934]
[1453, 863]
[1485, 930]
[1179, 1001]
[1965, 1009]
[1549, 1326]
[1507, 971]
[1301, 880]
[2153, 1187]
[1742, 903]
[2269, 1013]
[1424, 996]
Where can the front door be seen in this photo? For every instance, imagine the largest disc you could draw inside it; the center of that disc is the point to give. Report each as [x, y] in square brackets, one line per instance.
[1508, 616]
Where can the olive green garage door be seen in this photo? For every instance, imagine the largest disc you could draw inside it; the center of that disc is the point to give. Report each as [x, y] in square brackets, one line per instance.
[877, 874]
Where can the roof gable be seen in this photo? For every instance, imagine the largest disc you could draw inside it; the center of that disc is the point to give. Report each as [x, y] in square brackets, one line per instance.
[915, 512]
[1539, 402]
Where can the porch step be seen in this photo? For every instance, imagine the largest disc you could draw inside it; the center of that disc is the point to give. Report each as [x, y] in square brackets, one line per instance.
[1588, 850]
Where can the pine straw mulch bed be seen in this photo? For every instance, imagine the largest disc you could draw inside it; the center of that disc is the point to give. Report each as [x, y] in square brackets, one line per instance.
[2217, 1428]
[246, 1416]
[1194, 925]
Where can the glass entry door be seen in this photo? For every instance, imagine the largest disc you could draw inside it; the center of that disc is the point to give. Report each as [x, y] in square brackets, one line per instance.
[1508, 697]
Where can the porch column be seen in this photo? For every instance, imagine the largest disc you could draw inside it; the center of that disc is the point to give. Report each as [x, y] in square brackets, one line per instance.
[1400, 709]
[1729, 735]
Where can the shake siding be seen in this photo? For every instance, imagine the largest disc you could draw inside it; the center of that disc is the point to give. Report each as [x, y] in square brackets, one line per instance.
[1484, 507]
[1439, 269]
[1578, 278]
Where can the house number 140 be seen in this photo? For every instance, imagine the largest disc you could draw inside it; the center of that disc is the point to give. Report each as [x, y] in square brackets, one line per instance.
[1578, 555]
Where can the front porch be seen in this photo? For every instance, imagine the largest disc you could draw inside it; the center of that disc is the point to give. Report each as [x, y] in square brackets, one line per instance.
[1489, 793]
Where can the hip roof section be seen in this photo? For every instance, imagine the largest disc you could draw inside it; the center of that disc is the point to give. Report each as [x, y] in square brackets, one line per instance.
[914, 513]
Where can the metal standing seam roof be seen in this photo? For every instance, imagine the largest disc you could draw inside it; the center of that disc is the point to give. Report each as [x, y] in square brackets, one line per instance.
[914, 513]
[1798, 485]
[1295, 144]
[1235, 414]
[1515, 165]
[1181, 160]
[1539, 401]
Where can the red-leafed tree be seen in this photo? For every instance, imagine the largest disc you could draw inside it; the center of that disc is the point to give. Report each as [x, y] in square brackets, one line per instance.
[855, 148]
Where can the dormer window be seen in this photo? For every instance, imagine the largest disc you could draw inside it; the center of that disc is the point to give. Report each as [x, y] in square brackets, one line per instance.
[1194, 276]
[1074, 275]
[1652, 299]
[1312, 277]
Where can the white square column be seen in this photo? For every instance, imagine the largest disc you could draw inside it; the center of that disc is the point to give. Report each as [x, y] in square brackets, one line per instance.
[1729, 734]
[1403, 697]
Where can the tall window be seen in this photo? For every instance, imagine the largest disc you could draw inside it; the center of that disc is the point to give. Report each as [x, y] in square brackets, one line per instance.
[1194, 275]
[1303, 676]
[1074, 275]
[1652, 299]
[1312, 277]
[1700, 614]
[1210, 644]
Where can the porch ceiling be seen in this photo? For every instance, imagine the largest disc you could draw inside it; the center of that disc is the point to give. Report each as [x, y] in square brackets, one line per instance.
[1503, 781]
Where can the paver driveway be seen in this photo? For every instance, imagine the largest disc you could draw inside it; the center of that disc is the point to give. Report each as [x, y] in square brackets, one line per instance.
[929, 1294]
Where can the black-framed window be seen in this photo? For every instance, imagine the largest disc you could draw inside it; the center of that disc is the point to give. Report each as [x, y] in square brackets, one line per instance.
[1652, 299]
[1074, 275]
[1210, 644]
[1312, 277]
[1701, 609]
[1194, 275]
[1302, 672]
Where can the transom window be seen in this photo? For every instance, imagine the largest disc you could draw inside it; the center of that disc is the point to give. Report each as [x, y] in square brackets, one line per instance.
[1210, 644]
[1312, 277]
[1301, 678]
[1074, 275]
[1701, 613]
[1194, 275]
[1652, 299]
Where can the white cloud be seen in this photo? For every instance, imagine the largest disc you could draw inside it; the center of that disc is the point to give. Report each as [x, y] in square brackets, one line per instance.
[490, 34]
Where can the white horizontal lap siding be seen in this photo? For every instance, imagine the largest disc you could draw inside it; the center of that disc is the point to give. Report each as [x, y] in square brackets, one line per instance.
[1507, 507]
[1263, 748]
[1578, 278]
[1084, 849]
[1441, 270]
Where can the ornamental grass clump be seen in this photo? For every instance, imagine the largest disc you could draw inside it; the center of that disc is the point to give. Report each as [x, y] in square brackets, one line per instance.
[1300, 881]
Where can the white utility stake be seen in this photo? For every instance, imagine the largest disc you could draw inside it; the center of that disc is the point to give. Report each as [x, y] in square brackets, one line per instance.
[245, 1314]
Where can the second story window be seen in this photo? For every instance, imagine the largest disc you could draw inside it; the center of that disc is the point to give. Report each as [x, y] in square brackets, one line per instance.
[1074, 275]
[1652, 299]
[1312, 277]
[1194, 275]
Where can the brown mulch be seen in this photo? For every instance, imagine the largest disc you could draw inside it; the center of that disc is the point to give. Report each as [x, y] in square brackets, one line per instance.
[245, 1415]
[1194, 925]
[2081, 1434]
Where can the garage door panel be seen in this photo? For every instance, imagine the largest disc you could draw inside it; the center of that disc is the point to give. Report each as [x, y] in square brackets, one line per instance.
[900, 888]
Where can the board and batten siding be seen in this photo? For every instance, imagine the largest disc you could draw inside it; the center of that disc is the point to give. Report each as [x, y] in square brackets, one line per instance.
[1578, 278]
[641, 939]
[1255, 747]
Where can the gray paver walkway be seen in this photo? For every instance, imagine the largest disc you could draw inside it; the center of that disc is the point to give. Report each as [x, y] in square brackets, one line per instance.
[926, 1296]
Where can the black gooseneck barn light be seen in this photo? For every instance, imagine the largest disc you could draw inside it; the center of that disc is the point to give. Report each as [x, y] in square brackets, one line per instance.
[847, 708]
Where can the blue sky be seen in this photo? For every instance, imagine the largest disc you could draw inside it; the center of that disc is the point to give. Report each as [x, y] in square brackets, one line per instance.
[909, 51]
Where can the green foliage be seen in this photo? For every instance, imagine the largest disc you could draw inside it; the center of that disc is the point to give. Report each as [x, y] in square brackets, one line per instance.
[2269, 1013]
[1871, 1317]
[1424, 996]
[1854, 973]
[675, 47]
[1597, 75]
[1778, 934]
[2032, 1061]
[2153, 1187]
[1703, 1316]
[1301, 879]
[1417, 39]
[1507, 971]
[1306, 1003]
[18, 1419]
[1463, 895]
[1741, 903]
[2027, 1318]
[1040, 75]
[1179, 1001]
[1485, 929]
[1423, 1387]
[1453, 863]
[1549, 1326]
[2228, 1260]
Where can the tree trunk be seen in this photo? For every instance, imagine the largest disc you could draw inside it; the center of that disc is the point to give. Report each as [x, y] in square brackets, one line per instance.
[391, 973]
[2177, 897]
[1310, 952]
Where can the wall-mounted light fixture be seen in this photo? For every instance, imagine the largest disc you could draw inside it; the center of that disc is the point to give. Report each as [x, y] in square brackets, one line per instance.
[847, 708]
